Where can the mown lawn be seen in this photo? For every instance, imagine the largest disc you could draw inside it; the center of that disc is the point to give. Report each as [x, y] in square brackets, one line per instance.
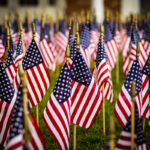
[87, 138]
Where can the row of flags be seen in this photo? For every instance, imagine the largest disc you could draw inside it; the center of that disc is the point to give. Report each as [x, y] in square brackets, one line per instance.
[78, 95]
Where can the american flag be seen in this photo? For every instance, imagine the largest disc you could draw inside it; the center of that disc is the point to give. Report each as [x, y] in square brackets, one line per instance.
[2, 50]
[16, 135]
[85, 44]
[145, 90]
[7, 100]
[61, 42]
[19, 52]
[123, 105]
[124, 141]
[47, 50]
[85, 96]
[110, 46]
[103, 74]
[38, 79]
[10, 66]
[57, 112]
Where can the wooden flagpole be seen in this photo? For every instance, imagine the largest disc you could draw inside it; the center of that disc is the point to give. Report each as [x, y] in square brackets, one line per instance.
[37, 108]
[133, 88]
[102, 36]
[25, 102]
[117, 63]
[112, 133]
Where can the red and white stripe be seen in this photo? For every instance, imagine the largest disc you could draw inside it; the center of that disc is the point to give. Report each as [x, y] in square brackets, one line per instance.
[11, 72]
[111, 52]
[5, 118]
[125, 46]
[2, 50]
[57, 119]
[86, 102]
[47, 53]
[123, 106]
[38, 81]
[15, 38]
[146, 45]
[36, 143]
[145, 96]
[143, 56]
[124, 142]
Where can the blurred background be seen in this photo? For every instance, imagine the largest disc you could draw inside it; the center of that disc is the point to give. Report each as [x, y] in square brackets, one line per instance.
[69, 7]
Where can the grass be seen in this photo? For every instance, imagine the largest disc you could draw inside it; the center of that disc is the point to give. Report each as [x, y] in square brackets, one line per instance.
[87, 138]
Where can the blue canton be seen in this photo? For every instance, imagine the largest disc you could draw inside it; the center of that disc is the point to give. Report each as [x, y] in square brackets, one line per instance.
[32, 57]
[85, 37]
[19, 50]
[6, 89]
[80, 71]
[135, 74]
[73, 49]
[10, 59]
[62, 89]
[100, 53]
[17, 121]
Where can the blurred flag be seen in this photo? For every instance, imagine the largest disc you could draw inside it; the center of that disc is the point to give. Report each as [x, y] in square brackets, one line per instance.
[19, 52]
[85, 96]
[123, 105]
[57, 112]
[102, 72]
[2, 50]
[124, 141]
[110, 46]
[145, 90]
[16, 135]
[7, 100]
[38, 79]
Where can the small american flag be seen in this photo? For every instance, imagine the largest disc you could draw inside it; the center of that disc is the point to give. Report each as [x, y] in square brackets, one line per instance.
[124, 141]
[145, 90]
[16, 134]
[57, 112]
[10, 66]
[85, 96]
[38, 79]
[19, 52]
[110, 46]
[103, 74]
[7, 100]
[2, 50]
[85, 44]
[123, 104]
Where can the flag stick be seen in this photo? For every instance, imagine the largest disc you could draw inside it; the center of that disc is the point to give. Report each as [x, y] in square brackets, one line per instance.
[104, 132]
[25, 102]
[21, 34]
[102, 36]
[37, 107]
[144, 121]
[117, 63]
[112, 133]
[133, 115]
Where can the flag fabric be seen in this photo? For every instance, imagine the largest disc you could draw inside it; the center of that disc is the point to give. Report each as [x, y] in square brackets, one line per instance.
[145, 90]
[124, 141]
[86, 97]
[2, 50]
[85, 44]
[110, 46]
[7, 100]
[10, 66]
[38, 79]
[19, 52]
[57, 111]
[103, 74]
[123, 105]
[16, 134]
